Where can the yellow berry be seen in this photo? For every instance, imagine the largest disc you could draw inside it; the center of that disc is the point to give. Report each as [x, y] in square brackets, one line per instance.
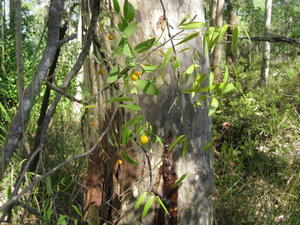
[100, 71]
[110, 37]
[134, 77]
[119, 162]
[144, 139]
[138, 73]
[93, 123]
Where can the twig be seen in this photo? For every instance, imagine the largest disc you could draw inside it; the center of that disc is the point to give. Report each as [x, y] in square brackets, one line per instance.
[66, 39]
[59, 166]
[62, 92]
[273, 39]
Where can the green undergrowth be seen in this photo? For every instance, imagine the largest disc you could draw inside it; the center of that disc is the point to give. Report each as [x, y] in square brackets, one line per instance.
[257, 151]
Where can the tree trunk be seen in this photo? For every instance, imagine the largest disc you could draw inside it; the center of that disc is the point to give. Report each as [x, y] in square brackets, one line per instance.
[230, 54]
[19, 51]
[267, 45]
[112, 188]
[217, 53]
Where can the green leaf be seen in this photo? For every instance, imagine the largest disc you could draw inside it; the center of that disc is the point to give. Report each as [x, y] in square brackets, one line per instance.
[191, 69]
[122, 25]
[185, 147]
[130, 29]
[211, 80]
[225, 79]
[129, 11]
[144, 46]
[48, 185]
[133, 121]
[167, 57]
[180, 180]
[228, 88]
[140, 200]
[147, 87]
[127, 50]
[162, 205]
[131, 107]
[190, 37]
[184, 19]
[112, 79]
[120, 99]
[192, 25]
[129, 159]
[234, 39]
[222, 32]
[116, 6]
[213, 106]
[91, 106]
[148, 205]
[178, 140]
[150, 68]
[4, 113]
[119, 49]
[76, 209]
[62, 220]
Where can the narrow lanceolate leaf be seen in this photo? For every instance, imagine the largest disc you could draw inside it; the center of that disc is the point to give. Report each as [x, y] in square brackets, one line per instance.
[167, 57]
[116, 6]
[192, 25]
[144, 46]
[120, 99]
[228, 88]
[129, 159]
[213, 107]
[148, 205]
[178, 140]
[140, 200]
[4, 113]
[191, 69]
[147, 87]
[150, 68]
[131, 107]
[127, 50]
[211, 80]
[180, 180]
[190, 37]
[130, 29]
[234, 39]
[134, 120]
[162, 204]
[91, 106]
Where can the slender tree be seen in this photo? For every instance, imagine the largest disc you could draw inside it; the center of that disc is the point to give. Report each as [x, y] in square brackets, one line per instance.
[267, 45]
[217, 53]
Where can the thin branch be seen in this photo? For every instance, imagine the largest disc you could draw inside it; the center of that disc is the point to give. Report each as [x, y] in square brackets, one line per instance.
[62, 92]
[273, 39]
[59, 166]
[66, 39]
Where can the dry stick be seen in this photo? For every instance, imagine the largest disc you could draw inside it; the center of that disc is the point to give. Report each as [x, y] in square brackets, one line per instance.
[59, 166]
[62, 92]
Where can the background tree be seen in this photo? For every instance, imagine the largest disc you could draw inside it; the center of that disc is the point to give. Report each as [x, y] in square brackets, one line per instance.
[267, 45]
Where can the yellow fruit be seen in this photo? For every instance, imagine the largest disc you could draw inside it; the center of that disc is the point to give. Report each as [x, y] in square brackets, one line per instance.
[119, 162]
[144, 139]
[134, 77]
[110, 37]
[138, 73]
[100, 71]
[93, 123]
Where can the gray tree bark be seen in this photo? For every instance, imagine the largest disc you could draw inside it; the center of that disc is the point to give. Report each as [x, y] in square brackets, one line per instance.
[267, 45]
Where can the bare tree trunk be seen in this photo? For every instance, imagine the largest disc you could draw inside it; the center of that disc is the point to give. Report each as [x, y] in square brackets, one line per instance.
[2, 31]
[112, 189]
[230, 54]
[267, 45]
[213, 12]
[19, 51]
[217, 53]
